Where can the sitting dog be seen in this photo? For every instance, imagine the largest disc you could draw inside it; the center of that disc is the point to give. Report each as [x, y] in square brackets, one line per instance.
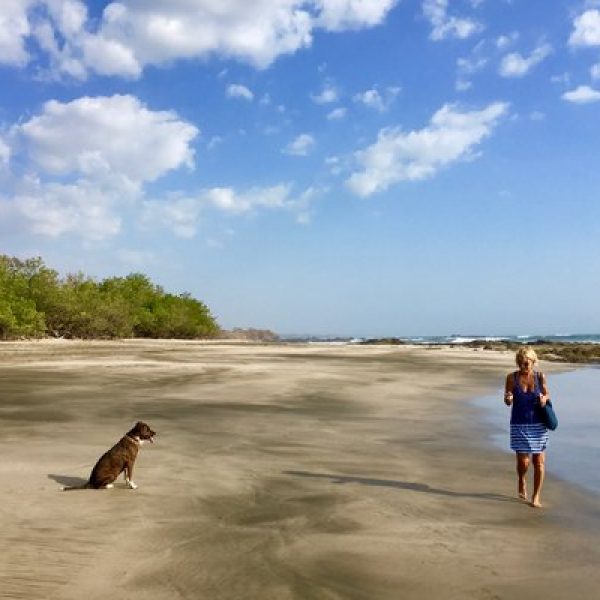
[121, 457]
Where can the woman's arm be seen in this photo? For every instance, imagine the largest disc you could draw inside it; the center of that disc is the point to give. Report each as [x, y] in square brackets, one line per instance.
[508, 388]
[545, 395]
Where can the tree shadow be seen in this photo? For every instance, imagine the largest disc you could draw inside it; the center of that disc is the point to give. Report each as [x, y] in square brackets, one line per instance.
[67, 480]
[403, 485]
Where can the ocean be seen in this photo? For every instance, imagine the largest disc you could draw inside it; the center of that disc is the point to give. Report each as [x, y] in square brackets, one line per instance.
[578, 338]
[573, 452]
[574, 338]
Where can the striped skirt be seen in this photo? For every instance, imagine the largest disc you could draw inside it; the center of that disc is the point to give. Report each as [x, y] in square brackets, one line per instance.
[528, 439]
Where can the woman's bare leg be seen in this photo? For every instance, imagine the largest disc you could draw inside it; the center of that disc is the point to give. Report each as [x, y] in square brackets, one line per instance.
[538, 478]
[522, 466]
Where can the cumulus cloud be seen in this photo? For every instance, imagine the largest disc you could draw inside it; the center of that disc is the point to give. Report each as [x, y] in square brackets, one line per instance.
[340, 15]
[328, 94]
[583, 94]
[5, 153]
[104, 137]
[337, 114]
[130, 35]
[301, 146]
[372, 98]
[586, 29]
[517, 65]
[88, 159]
[14, 31]
[179, 214]
[54, 209]
[182, 214]
[445, 26]
[503, 41]
[235, 90]
[398, 156]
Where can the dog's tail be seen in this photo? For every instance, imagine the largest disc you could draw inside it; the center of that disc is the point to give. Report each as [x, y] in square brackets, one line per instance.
[69, 488]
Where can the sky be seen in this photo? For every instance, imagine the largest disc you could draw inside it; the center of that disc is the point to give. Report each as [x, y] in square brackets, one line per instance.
[326, 167]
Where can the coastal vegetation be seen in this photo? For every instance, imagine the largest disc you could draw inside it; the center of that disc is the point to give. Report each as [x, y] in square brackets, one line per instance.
[570, 352]
[36, 302]
[567, 352]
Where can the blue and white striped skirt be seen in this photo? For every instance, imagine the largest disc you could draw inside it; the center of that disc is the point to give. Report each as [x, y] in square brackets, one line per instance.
[528, 439]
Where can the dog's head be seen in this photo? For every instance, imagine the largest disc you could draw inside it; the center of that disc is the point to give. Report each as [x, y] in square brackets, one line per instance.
[142, 432]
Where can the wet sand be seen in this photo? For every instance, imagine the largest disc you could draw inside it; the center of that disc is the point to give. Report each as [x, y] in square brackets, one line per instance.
[279, 472]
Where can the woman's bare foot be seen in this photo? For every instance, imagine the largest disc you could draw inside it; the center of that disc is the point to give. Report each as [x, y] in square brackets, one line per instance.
[522, 491]
[535, 502]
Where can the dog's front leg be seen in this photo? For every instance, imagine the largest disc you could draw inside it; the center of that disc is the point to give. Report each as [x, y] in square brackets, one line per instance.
[128, 476]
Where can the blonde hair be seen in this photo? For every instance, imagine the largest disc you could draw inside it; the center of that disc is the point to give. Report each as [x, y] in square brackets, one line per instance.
[526, 352]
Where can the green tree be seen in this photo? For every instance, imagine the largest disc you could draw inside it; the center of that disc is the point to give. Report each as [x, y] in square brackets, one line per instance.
[34, 301]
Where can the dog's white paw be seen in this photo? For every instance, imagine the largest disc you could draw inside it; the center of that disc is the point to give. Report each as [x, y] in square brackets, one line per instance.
[132, 485]
[109, 486]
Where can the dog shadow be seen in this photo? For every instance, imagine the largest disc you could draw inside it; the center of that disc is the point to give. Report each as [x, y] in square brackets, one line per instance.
[67, 480]
[403, 485]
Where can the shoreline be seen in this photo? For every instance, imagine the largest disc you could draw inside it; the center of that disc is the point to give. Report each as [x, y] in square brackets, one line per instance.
[279, 471]
[568, 353]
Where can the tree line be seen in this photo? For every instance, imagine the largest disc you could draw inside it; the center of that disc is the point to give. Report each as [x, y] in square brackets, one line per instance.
[35, 302]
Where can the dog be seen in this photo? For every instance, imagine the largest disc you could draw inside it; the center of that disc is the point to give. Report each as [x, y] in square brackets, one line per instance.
[120, 458]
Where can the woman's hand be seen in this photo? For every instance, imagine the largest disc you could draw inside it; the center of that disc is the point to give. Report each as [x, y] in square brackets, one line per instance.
[543, 400]
[508, 398]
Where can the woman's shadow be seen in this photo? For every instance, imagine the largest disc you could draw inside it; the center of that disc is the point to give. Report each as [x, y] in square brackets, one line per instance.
[403, 485]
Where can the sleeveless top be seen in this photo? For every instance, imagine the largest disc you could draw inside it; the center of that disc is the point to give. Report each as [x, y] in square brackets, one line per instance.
[524, 403]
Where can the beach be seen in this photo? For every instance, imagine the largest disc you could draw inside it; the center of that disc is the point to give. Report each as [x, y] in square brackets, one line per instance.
[279, 471]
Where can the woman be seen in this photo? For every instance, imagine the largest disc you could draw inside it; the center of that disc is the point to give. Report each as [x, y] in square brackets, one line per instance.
[525, 390]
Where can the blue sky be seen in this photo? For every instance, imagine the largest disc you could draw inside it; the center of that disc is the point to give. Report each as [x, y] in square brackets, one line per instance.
[351, 167]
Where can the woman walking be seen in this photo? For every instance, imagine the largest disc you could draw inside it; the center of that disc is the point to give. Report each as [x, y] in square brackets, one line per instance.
[526, 390]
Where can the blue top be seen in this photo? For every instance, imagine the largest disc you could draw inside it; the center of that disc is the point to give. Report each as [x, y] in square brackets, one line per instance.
[524, 403]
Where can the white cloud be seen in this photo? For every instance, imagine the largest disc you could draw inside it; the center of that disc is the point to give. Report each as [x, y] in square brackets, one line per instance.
[106, 137]
[586, 30]
[467, 66]
[373, 99]
[301, 146]
[503, 41]
[214, 141]
[337, 114]
[54, 209]
[583, 94]
[340, 15]
[445, 26]
[130, 34]
[5, 153]
[14, 30]
[235, 90]
[462, 85]
[106, 56]
[398, 156]
[88, 160]
[595, 71]
[181, 214]
[327, 95]
[228, 200]
[563, 79]
[470, 65]
[334, 164]
[517, 65]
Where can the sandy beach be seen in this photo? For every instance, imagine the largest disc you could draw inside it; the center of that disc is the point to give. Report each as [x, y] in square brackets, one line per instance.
[279, 472]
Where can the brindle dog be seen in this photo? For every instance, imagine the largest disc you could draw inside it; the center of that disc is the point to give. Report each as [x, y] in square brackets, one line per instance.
[120, 458]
